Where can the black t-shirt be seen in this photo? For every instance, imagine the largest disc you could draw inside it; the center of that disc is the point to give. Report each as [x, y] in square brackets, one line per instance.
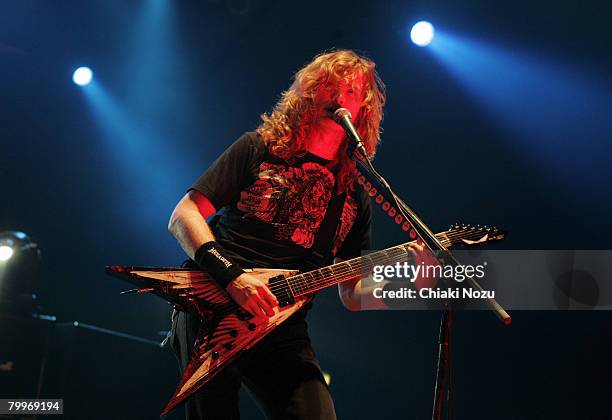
[276, 215]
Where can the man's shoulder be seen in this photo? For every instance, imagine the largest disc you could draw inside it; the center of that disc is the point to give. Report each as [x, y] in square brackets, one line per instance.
[252, 139]
[249, 146]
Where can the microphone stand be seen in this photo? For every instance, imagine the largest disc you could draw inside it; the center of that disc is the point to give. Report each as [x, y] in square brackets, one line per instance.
[358, 153]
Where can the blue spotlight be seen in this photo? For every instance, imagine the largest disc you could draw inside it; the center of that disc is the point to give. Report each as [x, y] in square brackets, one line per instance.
[82, 76]
[422, 33]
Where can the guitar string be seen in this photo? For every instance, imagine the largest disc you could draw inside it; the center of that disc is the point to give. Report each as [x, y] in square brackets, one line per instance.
[344, 268]
[301, 284]
[345, 273]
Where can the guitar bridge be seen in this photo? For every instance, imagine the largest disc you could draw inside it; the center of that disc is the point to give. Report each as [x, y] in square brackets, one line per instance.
[280, 288]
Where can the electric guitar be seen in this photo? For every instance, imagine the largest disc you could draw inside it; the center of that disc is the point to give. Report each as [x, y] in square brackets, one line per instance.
[227, 329]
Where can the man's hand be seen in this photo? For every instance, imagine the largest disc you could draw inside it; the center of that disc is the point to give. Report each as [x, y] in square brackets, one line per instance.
[253, 295]
[423, 255]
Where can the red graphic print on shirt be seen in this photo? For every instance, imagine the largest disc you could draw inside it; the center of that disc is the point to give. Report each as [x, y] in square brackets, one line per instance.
[294, 201]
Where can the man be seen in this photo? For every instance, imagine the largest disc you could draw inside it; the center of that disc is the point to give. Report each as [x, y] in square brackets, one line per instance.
[285, 197]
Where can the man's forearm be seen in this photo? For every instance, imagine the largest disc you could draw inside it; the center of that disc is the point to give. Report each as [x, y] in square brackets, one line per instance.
[190, 230]
[189, 227]
[353, 296]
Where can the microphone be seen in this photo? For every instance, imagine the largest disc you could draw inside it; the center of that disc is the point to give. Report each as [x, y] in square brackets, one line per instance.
[343, 117]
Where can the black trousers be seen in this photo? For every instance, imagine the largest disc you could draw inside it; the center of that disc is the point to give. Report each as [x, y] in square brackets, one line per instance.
[281, 372]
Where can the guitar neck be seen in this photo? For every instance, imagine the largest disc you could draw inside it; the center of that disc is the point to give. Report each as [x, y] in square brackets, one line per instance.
[311, 281]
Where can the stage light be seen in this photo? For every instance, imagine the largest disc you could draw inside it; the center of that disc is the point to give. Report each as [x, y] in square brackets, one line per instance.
[14, 244]
[82, 76]
[422, 33]
[19, 263]
[6, 252]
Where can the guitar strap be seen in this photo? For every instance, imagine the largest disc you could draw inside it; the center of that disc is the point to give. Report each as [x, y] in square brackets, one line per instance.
[322, 247]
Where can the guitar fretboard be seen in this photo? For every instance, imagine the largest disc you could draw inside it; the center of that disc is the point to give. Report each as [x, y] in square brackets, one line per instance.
[309, 282]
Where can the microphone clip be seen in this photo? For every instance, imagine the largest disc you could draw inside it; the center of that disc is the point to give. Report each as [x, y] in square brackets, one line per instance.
[343, 117]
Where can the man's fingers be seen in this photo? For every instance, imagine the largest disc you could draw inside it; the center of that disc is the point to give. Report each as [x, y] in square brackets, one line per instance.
[251, 308]
[255, 309]
[412, 252]
[253, 295]
[267, 309]
[416, 246]
[263, 304]
[268, 296]
[263, 308]
[415, 250]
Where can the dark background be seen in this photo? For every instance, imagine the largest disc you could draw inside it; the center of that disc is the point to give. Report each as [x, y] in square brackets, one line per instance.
[187, 78]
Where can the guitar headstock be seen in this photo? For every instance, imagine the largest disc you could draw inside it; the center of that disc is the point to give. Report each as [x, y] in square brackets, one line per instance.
[462, 234]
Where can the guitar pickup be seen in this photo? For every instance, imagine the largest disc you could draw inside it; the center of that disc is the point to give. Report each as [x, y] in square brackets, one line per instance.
[280, 288]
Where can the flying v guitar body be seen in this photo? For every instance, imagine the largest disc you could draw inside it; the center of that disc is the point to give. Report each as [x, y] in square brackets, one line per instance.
[227, 330]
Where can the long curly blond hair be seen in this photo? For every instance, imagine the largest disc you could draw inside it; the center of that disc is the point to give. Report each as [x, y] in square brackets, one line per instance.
[284, 131]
